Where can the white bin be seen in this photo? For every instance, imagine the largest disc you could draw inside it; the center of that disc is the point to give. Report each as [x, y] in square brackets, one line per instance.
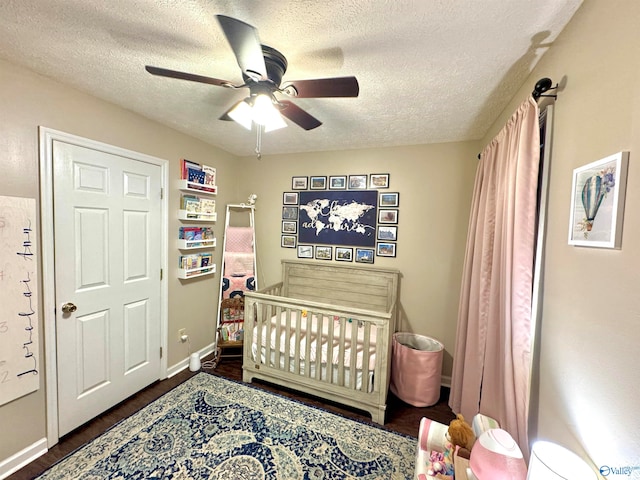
[416, 369]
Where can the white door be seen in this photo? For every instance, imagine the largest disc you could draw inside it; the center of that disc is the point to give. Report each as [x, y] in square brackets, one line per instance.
[107, 227]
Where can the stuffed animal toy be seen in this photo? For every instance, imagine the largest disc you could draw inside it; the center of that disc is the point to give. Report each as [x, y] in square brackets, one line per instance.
[441, 464]
[460, 433]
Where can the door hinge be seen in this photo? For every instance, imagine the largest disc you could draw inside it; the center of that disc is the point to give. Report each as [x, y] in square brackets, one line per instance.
[160, 274]
[160, 352]
[161, 193]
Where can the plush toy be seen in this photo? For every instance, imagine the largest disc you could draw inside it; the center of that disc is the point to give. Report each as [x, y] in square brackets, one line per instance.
[440, 464]
[460, 433]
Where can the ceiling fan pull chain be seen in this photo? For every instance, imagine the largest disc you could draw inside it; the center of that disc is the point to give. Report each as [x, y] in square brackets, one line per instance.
[258, 141]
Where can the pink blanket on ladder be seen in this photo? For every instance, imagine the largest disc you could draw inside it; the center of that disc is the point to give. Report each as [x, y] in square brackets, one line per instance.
[238, 275]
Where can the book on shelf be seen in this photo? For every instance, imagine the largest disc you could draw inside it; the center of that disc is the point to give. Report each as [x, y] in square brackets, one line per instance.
[206, 259]
[196, 263]
[200, 177]
[196, 176]
[194, 234]
[209, 175]
[207, 206]
[193, 208]
[233, 332]
[197, 207]
[185, 165]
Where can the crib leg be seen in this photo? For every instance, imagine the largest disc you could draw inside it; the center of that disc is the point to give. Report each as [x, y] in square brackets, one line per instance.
[246, 376]
[377, 415]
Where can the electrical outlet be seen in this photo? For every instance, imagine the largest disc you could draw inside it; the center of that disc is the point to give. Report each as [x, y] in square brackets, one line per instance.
[182, 335]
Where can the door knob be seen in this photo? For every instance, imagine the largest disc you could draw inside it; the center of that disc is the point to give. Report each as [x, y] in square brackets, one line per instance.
[69, 308]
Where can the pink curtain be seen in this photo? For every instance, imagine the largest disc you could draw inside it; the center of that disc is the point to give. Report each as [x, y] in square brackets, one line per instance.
[491, 365]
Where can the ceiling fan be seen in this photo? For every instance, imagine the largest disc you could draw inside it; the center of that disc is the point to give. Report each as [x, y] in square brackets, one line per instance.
[262, 70]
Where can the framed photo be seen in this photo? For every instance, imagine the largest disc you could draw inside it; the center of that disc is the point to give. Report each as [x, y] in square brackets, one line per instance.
[290, 198]
[318, 183]
[290, 213]
[364, 255]
[291, 227]
[379, 180]
[288, 241]
[299, 183]
[357, 182]
[386, 249]
[597, 202]
[344, 254]
[389, 200]
[323, 253]
[385, 233]
[305, 251]
[338, 183]
[388, 216]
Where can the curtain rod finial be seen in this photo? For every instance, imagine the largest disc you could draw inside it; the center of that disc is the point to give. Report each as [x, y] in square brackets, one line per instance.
[543, 85]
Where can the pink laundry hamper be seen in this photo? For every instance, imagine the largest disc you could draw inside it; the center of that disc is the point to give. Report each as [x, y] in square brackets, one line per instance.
[416, 369]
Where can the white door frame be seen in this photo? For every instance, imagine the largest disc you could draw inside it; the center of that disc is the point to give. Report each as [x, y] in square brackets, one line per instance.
[47, 137]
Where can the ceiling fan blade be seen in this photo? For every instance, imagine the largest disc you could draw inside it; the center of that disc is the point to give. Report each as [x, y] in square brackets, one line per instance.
[245, 43]
[298, 115]
[163, 72]
[323, 87]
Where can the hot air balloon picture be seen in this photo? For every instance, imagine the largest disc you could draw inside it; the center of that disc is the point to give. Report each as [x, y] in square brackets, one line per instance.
[597, 202]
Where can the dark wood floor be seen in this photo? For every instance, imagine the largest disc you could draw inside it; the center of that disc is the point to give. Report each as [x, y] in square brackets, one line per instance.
[400, 417]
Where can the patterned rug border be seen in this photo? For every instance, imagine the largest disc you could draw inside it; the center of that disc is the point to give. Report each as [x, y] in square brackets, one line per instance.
[239, 383]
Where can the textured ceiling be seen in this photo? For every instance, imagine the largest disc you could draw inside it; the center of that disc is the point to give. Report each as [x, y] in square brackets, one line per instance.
[429, 70]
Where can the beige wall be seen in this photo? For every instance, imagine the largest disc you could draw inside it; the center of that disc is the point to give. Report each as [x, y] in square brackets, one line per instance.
[588, 374]
[435, 184]
[27, 101]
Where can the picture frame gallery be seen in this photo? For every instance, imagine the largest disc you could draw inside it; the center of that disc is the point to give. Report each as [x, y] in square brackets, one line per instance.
[305, 204]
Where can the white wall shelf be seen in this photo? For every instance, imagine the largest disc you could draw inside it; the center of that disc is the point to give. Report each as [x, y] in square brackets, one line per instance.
[197, 188]
[195, 244]
[184, 273]
[197, 217]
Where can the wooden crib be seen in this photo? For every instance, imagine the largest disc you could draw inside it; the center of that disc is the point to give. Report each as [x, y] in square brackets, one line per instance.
[325, 330]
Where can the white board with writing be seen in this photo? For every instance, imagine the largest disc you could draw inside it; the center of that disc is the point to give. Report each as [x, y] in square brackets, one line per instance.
[19, 362]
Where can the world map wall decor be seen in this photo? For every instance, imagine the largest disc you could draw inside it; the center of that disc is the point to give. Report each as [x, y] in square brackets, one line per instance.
[338, 218]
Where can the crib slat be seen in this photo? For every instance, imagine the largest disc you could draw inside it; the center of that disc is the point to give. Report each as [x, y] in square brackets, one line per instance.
[266, 319]
[296, 361]
[341, 344]
[277, 316]
[330, 342]
[318, 343]
[364, 384]
[307, 343]
[287, 340]
[353, 373]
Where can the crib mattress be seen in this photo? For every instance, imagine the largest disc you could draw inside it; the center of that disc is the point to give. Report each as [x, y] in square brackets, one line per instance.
[318, 335]
[323, 369]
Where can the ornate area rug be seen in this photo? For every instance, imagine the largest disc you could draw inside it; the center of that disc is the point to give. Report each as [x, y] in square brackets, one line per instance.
[212, 428]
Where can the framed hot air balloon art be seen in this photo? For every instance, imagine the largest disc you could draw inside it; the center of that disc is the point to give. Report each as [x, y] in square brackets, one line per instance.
[597, 202]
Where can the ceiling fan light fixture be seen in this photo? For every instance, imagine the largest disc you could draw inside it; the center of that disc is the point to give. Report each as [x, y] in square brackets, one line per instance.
[242, 113]
[265, 114]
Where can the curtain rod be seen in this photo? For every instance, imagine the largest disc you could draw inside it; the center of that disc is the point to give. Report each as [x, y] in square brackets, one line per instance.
[542, 86]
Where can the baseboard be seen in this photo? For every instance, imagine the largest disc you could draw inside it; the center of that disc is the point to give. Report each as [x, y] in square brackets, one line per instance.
[22, 458]
[445, 381]
[178, 367]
